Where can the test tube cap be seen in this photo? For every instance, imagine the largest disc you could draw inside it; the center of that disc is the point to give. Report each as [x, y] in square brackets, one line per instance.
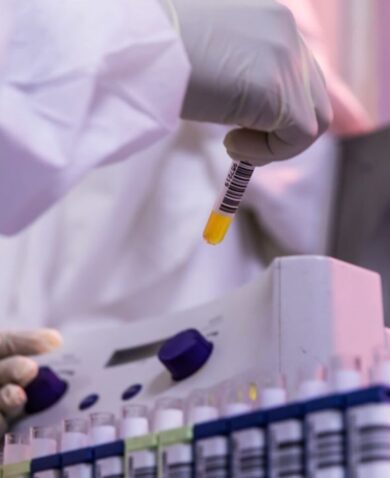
[185, 353]
[44, 391]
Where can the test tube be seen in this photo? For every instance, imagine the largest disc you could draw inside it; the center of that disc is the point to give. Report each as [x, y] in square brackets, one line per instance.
[228, 202]
[168, 414]
[285, 438]
[345, 373]
[212, 454]
[234, 397]
[312, 382]
[324, 429]
[368, 425]
[102, 428]
[16, 448]
[248, 456]
[43, 441]
[273, 391]
[200, 408]
[135, 421]
[74, 434]
[380, 371]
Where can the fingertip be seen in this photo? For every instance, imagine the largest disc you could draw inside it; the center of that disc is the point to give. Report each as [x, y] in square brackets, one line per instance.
[50, 339]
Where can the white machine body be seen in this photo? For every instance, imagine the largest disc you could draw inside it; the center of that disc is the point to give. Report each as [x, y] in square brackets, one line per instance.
[302, 310]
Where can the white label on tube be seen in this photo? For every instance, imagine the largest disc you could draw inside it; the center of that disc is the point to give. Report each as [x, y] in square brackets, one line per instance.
[177, 461]
[369, 441]
[48, 474]
[142, 464]
[248, 453]
[109, 468]
[325, 444]
[212, 458]
[235, 185]
[83, 470]
[286, 449]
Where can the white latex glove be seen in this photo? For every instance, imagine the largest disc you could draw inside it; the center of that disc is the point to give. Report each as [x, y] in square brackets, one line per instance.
[251, 68]
[17, 371]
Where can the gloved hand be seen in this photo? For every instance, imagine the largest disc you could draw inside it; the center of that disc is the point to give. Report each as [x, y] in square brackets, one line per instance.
[251, 68]
[17, 371]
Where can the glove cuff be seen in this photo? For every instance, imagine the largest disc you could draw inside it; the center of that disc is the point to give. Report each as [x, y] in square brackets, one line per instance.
[171, 12]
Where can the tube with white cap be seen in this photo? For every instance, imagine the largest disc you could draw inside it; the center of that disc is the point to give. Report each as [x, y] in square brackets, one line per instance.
[212, 454]
[324, 429]
[44, 442]
[248, 457]
[369, 428]
[16, 448]
[176, 459]
[103, 430]
[74, 436]
[285, 438]
[345, 373]
[135, 423]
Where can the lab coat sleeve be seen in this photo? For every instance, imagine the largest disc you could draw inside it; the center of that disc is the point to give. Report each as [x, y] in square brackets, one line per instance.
[82, 83]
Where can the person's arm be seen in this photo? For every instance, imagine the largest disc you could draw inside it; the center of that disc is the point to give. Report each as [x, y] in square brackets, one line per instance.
[17, 370]
[82, 83]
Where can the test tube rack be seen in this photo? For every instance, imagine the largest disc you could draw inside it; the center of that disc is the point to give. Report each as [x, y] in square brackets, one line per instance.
[363, 450]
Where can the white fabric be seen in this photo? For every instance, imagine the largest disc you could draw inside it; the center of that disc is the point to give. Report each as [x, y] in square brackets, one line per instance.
[126, 243]
[81, 84]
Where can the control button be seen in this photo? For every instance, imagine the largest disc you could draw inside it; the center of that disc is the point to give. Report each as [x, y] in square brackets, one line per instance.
[131, 392]
[44, 391]
[185, 353]
[89, 401]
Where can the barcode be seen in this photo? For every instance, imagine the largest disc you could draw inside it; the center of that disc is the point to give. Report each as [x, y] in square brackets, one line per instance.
[288, 460]
[329, 450]
[235, 186]
[251, 463]
[374, 444]
[179, 470]
[213, 467]
[147, 472]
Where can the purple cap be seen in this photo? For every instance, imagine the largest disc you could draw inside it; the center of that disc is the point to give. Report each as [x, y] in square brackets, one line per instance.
[185, 353]
[44, 391]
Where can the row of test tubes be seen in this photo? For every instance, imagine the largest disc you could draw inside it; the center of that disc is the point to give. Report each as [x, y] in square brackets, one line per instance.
[244, 452]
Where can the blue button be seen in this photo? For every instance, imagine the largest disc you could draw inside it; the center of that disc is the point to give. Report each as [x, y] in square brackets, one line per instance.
[44, 391]
[185, 353]
[88, 401]
[131, 392]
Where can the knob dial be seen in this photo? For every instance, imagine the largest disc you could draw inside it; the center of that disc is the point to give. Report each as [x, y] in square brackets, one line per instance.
[44, 391]
[185, 353]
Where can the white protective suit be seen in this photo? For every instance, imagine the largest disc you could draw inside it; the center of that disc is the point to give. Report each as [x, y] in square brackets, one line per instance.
[126, 242]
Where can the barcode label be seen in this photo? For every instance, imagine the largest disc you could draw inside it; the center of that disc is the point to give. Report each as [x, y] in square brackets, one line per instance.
[285, 449]
[374, 444]
[235, 186]
[211, 466]
[251, 463]
[147, 472]
[179, 470]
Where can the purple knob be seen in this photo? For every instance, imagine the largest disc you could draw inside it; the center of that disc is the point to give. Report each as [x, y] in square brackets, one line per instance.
[185, 353]
[44, 391]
